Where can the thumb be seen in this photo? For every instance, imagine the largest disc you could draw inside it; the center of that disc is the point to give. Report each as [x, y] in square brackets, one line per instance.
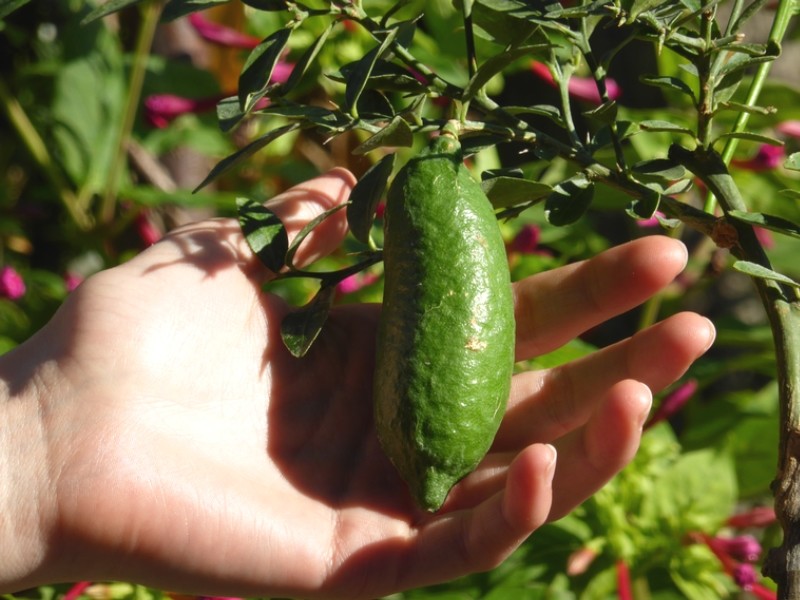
[301, 204]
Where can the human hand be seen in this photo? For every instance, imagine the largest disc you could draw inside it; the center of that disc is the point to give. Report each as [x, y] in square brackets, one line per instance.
[161, 433]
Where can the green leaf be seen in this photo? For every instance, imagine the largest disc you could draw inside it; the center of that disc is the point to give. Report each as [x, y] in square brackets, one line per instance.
[108, 8]
[662, 168]
[674, 84]
[365, 196]
[495, 65]
[175, 9]
[664, 126]
[357, 78]
[793, 162]
[300, 328]
[269, 5]
[569, 200]
[504, 191]
[755, 270]
[645, 206]
[605, 113]
[306, 60]
[303, 233]
[227, 163]
[776, 224]
[9, 6]
[264, 232]
[254, 80]
[385, 76]
[750, 137]
[396, 134]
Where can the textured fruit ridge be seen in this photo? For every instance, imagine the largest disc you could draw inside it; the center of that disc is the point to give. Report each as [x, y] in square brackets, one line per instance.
[446, 336]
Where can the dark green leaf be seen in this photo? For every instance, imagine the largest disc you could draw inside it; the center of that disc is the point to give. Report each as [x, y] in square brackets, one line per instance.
[504, 191]
[270, 5]
[300, 328]
[793, 162]
[750, 137]
[544, 110]
[366, 195]
[238, 156]
[569, 200]
[385, 76]
[662, 168]
[306, 60]
[108, 8]
[645, 206]
[396, 134]
[229, 113]
[357, 78]
[605, 113]
[316, 115]
[175, 9]
[674, 84]
[264, 232]
[665, 126]
[255, 78]
[776, 224]
[9, 6]
[495, 65]
[746, 108]
[755, 270]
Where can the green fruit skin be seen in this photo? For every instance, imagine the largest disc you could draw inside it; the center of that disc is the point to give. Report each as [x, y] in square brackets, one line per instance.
[446, 335]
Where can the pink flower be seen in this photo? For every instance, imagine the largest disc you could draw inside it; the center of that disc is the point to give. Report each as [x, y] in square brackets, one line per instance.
[624, 581]
[72, 281]
[148, 232]
[161, 109]
[219, 34]
[744, 575]
[76, 590]
[526, 241]
[580, 88]
[789, 128]
[742, 547]
[652, 221]
[767, 157]
[12, 285]
[355, 282]
[673, 402]
[579, 561]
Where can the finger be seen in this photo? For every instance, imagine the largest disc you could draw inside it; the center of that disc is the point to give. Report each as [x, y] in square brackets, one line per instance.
[546, 405]
[590, 456]
[467, 541]
[557, 306]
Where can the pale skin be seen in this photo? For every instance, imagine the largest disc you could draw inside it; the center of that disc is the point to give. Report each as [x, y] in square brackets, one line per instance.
[157, 431]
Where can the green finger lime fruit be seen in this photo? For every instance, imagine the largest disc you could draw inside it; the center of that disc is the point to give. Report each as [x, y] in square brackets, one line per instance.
[446, 336]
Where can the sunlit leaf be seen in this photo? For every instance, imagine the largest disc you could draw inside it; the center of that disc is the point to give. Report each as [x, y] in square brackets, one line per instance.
[299, 329]
[306, 60]
[664, 126]
[366, 195]
[396, 134]
[361, 71]
[793, 162]
[256, 74]
[771, 222]
[504, 191]
[755, 270]
[264, 232]
[306, 230]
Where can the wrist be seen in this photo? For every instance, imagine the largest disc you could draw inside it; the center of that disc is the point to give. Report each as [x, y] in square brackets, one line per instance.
[26, 514]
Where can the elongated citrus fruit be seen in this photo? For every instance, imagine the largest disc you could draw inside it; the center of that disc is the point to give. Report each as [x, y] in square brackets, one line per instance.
[446, 336]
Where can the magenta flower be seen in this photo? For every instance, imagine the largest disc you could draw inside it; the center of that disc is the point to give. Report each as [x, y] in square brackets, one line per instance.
[673, 402]
[526, 241]
[75, 592]
[745, 576]
[580, 88]
[355, 282]
[72, 281]
[652, 221]
[12, 286]
[767, 158]
[220, 34]
[148, 232]
[624, 588]
[742, 547]
[161, 109]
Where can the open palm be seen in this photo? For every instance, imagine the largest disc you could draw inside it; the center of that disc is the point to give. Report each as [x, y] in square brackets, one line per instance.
[191, 452]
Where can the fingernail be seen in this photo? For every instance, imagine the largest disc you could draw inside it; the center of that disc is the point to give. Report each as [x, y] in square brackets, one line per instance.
[551, 463]
[646, 408]
[712, 335]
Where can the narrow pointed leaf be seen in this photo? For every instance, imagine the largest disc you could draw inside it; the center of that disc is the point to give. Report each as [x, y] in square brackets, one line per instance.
[495, 65]
[365, 196]
[238, 156]
[229, 113]
[750, 137]
[674, 84]
[755, 270]
[308, 57]
[357, 80]
[108, 8]
[644, 207]
[257, 71]
[505, 191]
[773, 223]
[303, 234]
[300, 328]
[9, 6]
[174, 9]
[665, 126]
[264, 232]
[396, 134]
